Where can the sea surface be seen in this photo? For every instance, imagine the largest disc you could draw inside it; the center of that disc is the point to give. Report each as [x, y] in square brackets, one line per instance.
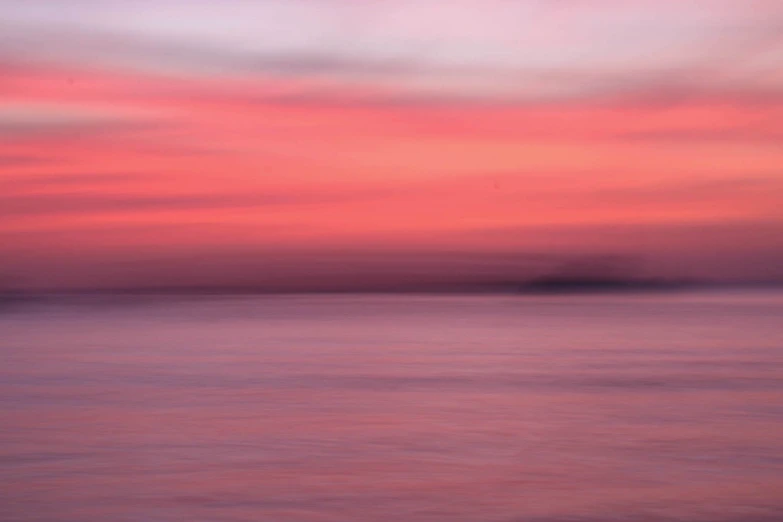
[632, 408]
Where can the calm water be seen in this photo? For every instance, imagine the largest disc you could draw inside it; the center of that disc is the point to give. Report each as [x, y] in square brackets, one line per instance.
[406, 408]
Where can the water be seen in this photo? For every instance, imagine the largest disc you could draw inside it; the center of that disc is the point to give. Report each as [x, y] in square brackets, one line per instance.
[393, 408]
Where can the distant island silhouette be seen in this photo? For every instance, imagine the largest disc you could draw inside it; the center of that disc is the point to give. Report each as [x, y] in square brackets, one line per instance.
[599, 274]
[594, 274]
[576, 284]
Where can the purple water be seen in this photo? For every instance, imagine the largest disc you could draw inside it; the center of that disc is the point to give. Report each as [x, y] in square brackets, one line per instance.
[393, 408]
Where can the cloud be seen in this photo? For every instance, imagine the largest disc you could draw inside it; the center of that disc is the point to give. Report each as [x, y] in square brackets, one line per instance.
[756, 189]
[19, 160]
[88, 202]
[422, 50]
[755, 134]
[30, 183]
[24, 120]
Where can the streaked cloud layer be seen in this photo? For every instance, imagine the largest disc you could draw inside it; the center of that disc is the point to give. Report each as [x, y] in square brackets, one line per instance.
[297, 129]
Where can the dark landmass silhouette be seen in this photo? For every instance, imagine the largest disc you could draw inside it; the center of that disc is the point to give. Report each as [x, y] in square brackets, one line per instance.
[601, 274]
[538, 287]
[577, 284]
[9, 298]
[532, 287]
[583, 275]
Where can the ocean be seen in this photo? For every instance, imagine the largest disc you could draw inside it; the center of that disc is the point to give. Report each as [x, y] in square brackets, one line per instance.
[370, 408]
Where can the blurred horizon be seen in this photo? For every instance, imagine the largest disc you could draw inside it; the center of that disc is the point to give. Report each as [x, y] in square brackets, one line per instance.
[304, 143]
[372, 408]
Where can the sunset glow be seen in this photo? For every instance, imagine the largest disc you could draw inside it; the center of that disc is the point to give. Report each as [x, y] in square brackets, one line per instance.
[238, 142]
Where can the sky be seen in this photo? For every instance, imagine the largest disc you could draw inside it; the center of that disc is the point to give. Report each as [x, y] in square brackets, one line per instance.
[329, 142]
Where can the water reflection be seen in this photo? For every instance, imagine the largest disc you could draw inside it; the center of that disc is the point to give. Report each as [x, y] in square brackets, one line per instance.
[539, 409]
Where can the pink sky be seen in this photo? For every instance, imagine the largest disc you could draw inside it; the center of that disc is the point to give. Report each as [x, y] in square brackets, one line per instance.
[240, 142]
